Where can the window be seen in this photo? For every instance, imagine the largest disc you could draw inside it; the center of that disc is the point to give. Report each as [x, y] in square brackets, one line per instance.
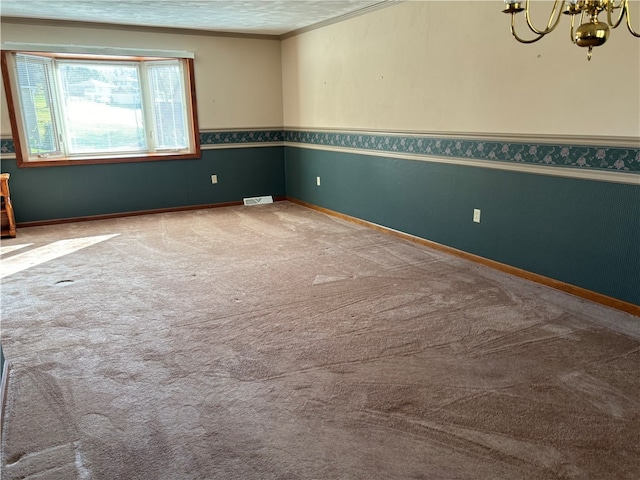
[76, 108]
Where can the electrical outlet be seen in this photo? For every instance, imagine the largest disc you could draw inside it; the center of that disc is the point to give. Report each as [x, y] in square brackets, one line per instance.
[476, 215]
[214, 179]
[318, 181]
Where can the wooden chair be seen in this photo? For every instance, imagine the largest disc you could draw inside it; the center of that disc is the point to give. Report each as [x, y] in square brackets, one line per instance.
[8, 223]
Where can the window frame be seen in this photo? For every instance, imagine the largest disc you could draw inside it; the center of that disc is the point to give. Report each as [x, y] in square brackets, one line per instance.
[9, 77]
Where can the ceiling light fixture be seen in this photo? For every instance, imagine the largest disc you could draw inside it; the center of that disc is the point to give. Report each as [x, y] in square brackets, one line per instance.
[591, 32]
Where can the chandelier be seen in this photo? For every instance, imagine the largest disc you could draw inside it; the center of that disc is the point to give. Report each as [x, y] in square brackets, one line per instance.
[590, 33]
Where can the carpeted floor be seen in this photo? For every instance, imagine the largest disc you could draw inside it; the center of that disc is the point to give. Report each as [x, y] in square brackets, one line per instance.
[274, 342]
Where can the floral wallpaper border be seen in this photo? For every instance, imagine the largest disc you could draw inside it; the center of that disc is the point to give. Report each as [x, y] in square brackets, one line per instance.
[607, 158]
[206, 138]
[578, 156]
[240, 137]
[6, 146]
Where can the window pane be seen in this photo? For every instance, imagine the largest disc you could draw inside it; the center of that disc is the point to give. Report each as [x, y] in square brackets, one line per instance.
[82, 109]
[34, 80]
[168, 105]
[102, 107]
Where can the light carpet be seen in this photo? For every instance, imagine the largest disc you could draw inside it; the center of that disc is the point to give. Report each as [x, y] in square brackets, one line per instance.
[275, 342]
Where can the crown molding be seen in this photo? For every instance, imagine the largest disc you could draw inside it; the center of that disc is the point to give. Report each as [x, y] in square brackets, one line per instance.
[342, 18]
[188, 31]
[133, 28]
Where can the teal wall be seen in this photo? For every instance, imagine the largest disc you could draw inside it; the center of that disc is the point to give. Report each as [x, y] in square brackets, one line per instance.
[582, 232]
[60, 192]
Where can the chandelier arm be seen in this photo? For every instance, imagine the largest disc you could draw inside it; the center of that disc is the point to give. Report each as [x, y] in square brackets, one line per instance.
[614, 6]
[515, 35]
[634, 33]
[551, 24]
[626, 8]
[611, 6]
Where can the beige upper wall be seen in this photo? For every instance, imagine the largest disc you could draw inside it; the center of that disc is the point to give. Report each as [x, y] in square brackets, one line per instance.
[454, 67]
[238, 80]
[423, 66]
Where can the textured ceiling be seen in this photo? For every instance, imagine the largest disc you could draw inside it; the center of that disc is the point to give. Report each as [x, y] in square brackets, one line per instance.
[266, 17]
